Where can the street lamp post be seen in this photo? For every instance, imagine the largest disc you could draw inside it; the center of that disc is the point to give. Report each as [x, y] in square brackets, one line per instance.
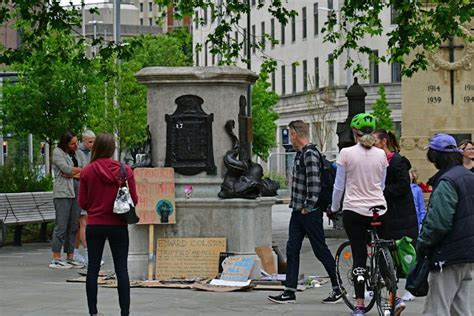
[94, 36]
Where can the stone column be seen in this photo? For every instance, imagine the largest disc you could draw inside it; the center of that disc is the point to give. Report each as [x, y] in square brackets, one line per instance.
[245, 223]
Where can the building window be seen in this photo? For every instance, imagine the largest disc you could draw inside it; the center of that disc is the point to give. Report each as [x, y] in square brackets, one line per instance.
[205, 16]
[273, 81]
[396, 72]
[150, 21]
[303, 15]
[316, 73]
[150, 6]
[330, 4]
[316, 18]
[197, 58]
[236, 37]
[245, 42]
[293, 77]
[254, 2]
[196, 20]
[330, 71]
[213, 58]
[293, 29]
[373, 67]
[393, 15]
[205, 54]
[141, 21]
[272, 31]
[254, 42]
[141, 7]
[305, 75]
[282, 35]
[263, 34]
[283, 80]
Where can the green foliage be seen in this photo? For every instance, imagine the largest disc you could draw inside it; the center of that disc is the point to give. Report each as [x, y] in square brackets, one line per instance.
[382, 112]
[264, 116]
[222, 41]
[281, 179]
[129, 119]
[20, 176]
[418, 24]
[51, 94]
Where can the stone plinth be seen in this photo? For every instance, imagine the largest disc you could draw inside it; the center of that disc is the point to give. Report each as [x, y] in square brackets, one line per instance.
[246, 224]
[220, 88]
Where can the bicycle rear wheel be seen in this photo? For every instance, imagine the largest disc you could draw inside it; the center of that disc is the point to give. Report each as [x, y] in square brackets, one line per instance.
[345, 281]
[385, 282]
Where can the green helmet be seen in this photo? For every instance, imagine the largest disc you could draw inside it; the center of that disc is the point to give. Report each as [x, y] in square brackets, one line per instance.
[364, 122]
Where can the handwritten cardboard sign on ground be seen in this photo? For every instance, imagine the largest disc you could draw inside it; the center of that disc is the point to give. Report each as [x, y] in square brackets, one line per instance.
[237, 268]
[156, 195]
[188, 257]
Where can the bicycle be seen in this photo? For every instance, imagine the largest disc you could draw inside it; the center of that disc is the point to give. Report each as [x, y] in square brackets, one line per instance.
[380, 278]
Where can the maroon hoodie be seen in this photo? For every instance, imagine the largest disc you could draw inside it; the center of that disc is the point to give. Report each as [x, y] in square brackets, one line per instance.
[98, 189]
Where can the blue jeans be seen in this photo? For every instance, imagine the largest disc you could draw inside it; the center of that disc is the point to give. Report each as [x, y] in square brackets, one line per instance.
[96, 235]
[310, 225]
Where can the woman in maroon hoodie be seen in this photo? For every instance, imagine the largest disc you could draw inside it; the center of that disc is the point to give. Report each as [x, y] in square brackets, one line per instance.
[99, 184]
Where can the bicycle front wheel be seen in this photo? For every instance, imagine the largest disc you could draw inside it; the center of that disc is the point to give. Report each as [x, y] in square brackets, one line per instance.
[385, 282]
[344, 265]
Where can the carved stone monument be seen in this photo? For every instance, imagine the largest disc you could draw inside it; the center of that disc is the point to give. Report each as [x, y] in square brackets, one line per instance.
[188, 108]
[439, 100]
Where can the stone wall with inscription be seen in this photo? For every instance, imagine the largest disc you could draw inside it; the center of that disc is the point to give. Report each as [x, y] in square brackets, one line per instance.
[438, 100]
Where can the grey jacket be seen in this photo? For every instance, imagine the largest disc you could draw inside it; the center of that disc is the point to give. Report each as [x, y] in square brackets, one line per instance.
[63, 186]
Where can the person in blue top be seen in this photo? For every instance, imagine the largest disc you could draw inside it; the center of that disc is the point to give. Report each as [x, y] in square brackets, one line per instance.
[418, 198]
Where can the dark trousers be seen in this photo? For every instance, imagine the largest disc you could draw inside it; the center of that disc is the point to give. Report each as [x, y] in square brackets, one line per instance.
[356, 227]
[118, 241]
[310, 225]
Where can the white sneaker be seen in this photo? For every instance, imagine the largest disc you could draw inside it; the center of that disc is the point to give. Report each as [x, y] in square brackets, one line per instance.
[74, 264]
[59, 264]
[79, 258]
[408, 297]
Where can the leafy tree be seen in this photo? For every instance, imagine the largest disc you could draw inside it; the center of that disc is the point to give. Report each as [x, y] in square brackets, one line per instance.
[51, 95]
[263, 124]
[129, 119]
[418, 24]
[382, 111]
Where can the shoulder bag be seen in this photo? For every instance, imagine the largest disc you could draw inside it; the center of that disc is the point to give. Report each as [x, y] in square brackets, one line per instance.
[123, 204]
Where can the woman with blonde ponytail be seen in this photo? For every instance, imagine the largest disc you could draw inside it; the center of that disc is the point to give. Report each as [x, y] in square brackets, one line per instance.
[360, 178]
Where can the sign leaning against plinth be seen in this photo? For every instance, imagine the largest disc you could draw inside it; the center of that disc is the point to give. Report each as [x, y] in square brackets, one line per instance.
[156, 195]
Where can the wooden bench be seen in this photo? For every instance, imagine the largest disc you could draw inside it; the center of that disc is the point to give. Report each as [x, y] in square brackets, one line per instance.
[25, 208]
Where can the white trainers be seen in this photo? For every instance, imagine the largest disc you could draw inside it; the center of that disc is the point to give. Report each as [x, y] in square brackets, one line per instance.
[74, 264]
[408, 297]
[79, 258]
[59, 264]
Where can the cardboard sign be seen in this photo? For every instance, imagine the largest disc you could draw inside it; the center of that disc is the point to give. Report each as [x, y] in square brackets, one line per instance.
[237, 268]
[188, 257]
[156, 195]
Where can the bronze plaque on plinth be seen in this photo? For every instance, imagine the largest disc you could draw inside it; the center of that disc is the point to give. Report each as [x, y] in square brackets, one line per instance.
[189, 137]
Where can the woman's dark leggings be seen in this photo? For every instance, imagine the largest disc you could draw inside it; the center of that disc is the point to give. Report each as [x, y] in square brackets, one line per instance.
[118, 241]
[356, 227]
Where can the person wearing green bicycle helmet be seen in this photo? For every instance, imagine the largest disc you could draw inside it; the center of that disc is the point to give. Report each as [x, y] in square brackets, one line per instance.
[363, 123]
[359, 185]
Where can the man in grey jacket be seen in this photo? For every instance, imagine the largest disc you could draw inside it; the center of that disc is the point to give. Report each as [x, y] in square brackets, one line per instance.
[85, 149]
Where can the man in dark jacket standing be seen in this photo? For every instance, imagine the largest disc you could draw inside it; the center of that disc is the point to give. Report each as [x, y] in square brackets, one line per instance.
[447, 234]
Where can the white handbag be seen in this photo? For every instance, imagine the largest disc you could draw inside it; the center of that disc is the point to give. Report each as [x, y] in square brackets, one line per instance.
[123, 204]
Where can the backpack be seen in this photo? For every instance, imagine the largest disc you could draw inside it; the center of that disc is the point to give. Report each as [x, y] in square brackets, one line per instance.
[328, 177]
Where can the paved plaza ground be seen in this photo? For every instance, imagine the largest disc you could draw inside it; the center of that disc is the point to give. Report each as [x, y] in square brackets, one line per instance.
[29, 287]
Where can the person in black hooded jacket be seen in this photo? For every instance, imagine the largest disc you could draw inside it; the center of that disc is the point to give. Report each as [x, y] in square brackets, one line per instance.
[401, 211]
